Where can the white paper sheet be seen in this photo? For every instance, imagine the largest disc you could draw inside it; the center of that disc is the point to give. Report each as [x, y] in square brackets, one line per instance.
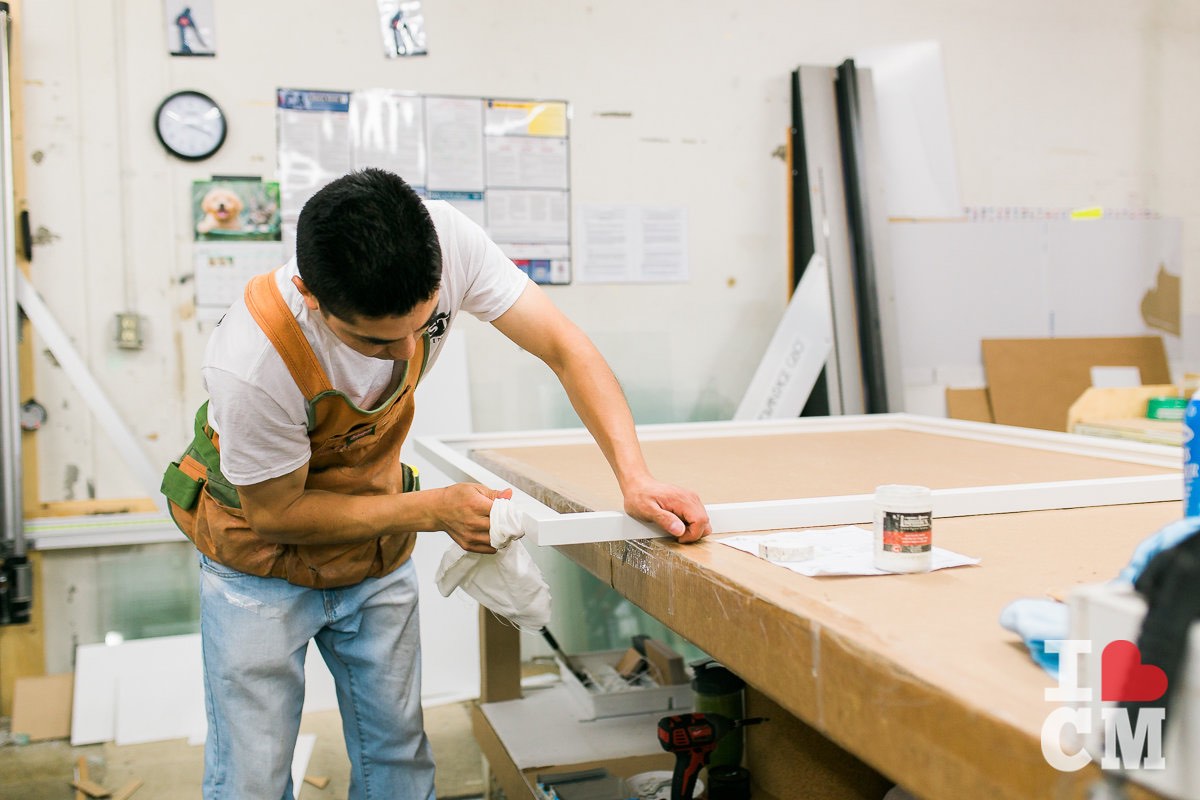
[632, 244]
[222, 270]
[160, 690]
[1116, 377]
[526, 162]
[314, 144]
[528, 215]
[305, 743]
[838, 551]
[544, 729]
[148, 690]
[387, 130]
[454, 132]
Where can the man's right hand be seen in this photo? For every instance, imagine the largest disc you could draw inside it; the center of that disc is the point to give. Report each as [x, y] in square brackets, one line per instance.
[282, 510]
[464, 512]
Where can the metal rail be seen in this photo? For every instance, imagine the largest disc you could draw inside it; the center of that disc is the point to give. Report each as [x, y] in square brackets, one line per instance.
[15, 579]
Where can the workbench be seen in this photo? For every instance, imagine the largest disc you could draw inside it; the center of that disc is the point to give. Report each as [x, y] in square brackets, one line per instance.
[867, 680]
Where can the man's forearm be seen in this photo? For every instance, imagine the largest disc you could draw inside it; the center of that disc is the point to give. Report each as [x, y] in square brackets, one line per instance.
[597, 398]
[320, 517]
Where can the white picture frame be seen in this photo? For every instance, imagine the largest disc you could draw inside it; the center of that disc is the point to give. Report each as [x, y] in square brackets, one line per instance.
[547, 527]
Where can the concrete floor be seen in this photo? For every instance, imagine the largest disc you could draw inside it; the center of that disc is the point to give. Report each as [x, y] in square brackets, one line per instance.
[173, 770]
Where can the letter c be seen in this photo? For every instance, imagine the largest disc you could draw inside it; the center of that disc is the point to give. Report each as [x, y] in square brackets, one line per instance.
[1078, 718]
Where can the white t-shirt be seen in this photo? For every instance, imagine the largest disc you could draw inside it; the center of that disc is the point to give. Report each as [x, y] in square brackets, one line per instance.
[255, 405]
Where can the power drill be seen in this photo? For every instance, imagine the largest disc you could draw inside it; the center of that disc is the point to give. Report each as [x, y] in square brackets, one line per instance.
[692, 738]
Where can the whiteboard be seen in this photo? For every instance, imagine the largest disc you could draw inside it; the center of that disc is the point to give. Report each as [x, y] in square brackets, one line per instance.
[958, 283]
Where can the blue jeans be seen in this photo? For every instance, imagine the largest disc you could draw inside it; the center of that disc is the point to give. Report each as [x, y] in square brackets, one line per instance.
[255, 633]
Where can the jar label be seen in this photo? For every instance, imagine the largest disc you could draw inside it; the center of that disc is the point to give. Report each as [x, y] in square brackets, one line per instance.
[907, 533]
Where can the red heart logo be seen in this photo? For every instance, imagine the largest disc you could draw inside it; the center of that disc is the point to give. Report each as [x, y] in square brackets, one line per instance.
[1123, 676]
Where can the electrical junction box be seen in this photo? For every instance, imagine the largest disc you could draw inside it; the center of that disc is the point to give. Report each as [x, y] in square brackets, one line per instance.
[129, 331]
[613, 696]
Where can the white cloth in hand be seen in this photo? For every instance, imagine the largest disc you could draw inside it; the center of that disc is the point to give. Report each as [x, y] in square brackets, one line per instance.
[507, 582]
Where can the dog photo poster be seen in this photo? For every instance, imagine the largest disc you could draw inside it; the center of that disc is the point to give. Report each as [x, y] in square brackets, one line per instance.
[236, 210]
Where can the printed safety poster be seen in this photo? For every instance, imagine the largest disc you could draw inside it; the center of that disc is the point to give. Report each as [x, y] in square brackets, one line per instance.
[503, 163]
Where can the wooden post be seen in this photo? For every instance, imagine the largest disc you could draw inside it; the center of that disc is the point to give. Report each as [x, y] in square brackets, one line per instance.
[23, 647]
[499, 659]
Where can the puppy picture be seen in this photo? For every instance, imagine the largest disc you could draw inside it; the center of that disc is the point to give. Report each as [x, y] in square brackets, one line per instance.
[222, 211]
[236, 209]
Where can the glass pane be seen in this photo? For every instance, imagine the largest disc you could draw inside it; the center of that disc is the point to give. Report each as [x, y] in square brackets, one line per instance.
[133, 592]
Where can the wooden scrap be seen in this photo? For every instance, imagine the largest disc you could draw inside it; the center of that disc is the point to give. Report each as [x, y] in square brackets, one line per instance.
[81, 774]
[665, 664]
[90, 788]
[319, 781]
[126, 791]
[630, 664]
[42, 706]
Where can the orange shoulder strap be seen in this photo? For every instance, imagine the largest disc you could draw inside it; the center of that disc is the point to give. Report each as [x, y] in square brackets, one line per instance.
[271, 312]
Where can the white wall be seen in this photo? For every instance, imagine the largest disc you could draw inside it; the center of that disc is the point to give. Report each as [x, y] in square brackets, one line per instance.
[1053, 103]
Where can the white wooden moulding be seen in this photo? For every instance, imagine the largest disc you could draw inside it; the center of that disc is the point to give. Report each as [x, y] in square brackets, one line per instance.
[548, 527]
[101, 530]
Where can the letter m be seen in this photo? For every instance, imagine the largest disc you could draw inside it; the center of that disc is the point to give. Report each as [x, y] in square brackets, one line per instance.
[1124, 745]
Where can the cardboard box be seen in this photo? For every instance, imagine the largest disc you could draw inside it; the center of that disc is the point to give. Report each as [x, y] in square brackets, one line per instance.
[42, 706]
[1033, 382]
[1108, 612]
[612, 696]
[969, 404]
[1120, 413]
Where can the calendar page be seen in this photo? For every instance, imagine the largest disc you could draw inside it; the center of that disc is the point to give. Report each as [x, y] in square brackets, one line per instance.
[223, 268]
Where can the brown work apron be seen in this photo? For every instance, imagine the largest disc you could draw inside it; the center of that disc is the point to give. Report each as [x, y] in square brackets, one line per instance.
[354, 452]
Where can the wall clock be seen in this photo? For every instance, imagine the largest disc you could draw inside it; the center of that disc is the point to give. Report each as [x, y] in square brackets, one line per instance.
[190, 125]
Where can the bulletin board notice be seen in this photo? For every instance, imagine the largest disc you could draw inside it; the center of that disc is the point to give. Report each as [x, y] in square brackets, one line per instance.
[504, 163]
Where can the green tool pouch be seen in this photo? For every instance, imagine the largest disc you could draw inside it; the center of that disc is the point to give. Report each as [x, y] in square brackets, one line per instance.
[183, 480]
[180, 488]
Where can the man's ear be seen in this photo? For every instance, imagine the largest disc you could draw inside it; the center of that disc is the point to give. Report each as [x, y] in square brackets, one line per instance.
[310, 299]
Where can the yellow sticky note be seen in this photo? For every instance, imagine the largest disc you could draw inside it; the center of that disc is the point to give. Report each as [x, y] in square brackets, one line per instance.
[549, 119]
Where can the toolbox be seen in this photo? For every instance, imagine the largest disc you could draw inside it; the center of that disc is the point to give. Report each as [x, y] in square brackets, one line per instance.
[610, 695]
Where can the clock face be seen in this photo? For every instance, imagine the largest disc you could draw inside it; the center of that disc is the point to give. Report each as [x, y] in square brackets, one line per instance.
[190, 125]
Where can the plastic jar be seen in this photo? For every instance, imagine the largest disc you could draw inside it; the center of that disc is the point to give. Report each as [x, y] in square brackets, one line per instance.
[903, 528]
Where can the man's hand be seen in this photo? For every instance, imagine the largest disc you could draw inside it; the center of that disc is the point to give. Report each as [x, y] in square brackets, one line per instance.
[676, 510]
[464, 510]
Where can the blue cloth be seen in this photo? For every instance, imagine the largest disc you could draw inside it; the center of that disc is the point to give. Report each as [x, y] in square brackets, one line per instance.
[1164, 538]
[255, 634]
[1037, 620]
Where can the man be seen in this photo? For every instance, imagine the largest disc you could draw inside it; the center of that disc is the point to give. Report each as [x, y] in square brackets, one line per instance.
[293, 492]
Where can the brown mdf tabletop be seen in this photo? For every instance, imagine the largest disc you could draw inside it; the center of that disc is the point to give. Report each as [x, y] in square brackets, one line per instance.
[912, 674]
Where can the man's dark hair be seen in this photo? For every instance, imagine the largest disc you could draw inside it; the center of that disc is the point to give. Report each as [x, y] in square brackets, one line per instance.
[366, 247]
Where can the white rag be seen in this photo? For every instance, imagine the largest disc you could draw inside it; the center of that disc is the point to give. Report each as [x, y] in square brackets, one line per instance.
[507, 582]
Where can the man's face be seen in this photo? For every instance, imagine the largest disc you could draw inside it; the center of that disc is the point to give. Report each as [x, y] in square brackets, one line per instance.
[386, 338]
